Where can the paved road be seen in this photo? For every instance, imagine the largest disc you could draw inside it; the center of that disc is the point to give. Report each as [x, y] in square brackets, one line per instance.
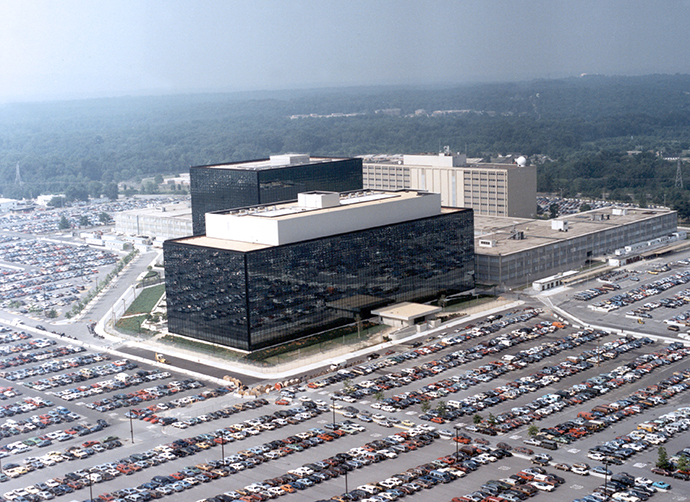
[197, 365]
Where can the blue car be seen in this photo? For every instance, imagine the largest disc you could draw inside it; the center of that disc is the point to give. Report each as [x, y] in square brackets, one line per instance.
[661, 485]
[601, 470]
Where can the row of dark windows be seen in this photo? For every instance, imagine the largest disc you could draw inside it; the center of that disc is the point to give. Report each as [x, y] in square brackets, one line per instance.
[256, 299]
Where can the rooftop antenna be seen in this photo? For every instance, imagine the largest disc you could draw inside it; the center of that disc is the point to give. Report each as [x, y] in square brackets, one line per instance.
[679, 176]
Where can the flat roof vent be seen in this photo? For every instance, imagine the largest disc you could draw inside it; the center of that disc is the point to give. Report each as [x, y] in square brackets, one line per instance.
[289, 159]
[318, 200]
[560, 225]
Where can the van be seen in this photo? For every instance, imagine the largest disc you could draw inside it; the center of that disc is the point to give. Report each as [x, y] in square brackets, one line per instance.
[646, 426]
[470, 450]
[549, 444]
[441, 476]
[602, 408]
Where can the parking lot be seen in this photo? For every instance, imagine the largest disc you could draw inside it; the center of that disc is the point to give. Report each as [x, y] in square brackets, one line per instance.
[75, 412]
[38, 275]
[48, 221]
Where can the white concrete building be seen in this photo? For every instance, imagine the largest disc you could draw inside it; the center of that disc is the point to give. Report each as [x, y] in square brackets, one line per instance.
[7, 205]
[490, 189]
[168, 221]
[319, 214]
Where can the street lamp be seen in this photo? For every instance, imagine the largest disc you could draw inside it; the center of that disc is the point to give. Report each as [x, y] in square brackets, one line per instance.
[333, 409]
[456, 442]
[131, 425]
[606, 474]
[222, 450]
[90, 487]
[346, 490]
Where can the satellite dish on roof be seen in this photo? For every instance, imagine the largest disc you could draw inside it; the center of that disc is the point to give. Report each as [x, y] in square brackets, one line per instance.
[521, 161]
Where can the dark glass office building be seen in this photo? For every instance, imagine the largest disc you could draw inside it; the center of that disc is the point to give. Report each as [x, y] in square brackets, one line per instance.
[265, 181]
[250, 299]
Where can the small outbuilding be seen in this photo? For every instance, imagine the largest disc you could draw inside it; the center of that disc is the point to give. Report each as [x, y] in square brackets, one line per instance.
[405, 314]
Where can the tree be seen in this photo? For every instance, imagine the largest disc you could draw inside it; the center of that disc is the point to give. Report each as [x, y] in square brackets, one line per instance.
[64, 223]
[95, 189]
[110, 190]
[492, 419]
[532, 430]
[379, 396]
[56, 202]
[585, 207]
[662, 461]
[442, 408]
[77, 192]
[84, 221]
[553, 210]
[52, 314]
[426, 406]
[149, 187]
[158, 179]
[348, 387]
[104, 218]
[477, 419]
[682, 463]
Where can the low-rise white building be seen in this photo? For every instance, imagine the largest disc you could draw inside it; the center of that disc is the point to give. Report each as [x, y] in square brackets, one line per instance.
[167, 221]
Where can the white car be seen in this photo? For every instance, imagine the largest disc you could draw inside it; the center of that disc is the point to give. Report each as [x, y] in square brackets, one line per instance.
[625, 497]
[543, 486]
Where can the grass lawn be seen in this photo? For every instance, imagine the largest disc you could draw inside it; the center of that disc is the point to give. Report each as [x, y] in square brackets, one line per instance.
[146, 300]
[132, 324]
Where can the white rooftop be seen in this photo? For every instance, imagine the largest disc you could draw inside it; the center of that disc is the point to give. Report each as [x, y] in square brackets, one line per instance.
[320, 214]
[275, 162]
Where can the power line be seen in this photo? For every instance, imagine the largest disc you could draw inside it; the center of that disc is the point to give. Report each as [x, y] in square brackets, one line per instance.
[18, 176]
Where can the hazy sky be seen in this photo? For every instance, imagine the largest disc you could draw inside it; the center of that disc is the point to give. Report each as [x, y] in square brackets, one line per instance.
[84, 48]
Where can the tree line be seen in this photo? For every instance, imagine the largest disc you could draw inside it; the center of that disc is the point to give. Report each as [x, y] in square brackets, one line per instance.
[582, 128]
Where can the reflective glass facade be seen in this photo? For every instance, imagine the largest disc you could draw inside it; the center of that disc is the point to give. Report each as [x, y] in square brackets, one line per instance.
[218, 187]
[255, 299]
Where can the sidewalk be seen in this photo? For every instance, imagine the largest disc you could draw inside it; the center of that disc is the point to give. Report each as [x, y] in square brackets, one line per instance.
[234, 367]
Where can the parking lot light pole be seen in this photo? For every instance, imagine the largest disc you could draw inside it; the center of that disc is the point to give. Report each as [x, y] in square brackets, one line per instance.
[333, 408]
[90, 487]
[456, 442]
[222, 450]
[346, 490]
[606, 474]
[131, 426]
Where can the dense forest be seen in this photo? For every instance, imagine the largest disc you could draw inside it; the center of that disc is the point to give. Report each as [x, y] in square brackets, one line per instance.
[578, 131]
